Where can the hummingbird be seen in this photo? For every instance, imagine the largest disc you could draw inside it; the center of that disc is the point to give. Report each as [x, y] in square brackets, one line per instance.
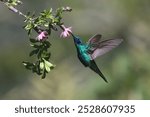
[93, 48]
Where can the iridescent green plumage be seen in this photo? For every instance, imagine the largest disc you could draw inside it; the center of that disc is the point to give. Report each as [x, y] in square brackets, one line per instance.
[92, 49]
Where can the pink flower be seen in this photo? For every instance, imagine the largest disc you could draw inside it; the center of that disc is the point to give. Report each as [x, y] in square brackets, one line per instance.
[66, 31]
[43, 35]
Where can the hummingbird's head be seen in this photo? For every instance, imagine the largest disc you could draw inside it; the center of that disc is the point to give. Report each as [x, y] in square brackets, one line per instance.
[77, 40]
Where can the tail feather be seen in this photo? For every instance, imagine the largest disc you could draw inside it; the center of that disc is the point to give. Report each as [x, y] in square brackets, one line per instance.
[94, 67]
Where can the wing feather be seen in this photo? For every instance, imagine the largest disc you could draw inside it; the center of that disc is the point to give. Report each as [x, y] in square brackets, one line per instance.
[103, 47]
[95, 39]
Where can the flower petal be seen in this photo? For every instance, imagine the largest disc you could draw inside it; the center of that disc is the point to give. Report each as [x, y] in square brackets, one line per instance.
[42, 35]
[66, 32]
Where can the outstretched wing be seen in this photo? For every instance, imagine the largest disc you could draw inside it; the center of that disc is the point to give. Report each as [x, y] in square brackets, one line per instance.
[95, 39]
[103, 47]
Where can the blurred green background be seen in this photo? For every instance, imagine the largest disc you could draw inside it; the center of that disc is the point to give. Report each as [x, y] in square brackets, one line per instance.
[127, 67]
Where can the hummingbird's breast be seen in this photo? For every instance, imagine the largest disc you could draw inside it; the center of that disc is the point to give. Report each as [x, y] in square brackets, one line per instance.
[83, 55]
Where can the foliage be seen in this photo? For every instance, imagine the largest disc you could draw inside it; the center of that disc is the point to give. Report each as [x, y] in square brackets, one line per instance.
[42, 24]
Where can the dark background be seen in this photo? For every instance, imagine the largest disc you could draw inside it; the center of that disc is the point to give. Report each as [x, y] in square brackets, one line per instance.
[126, 67]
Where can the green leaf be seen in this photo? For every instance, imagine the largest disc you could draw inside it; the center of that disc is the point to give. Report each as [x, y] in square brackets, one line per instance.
[29, 26]
[29, 31]
[44, 74]
[47, 68]
[37, 68]
[39, 55]
[59, 12]
[35, 46]
[47, 44]
[33, 40]
[47, 55]
[33, 52]
[52, 27]
[42, 65]
[28, 65]
[49, 31]
[49, 64]
[46, 14]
